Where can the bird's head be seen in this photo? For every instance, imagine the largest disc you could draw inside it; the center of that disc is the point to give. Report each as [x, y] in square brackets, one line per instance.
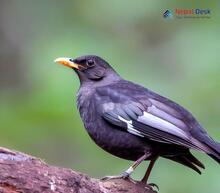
[89, 67]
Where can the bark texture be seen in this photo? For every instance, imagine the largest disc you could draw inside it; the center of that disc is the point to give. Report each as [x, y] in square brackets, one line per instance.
[21, 173]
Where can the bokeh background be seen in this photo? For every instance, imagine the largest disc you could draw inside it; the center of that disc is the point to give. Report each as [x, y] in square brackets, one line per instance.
[177, 58]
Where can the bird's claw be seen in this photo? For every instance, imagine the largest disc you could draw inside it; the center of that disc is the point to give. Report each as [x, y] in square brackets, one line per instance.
[105, 178]
[150, 186]
[124, 175]
[154, 185]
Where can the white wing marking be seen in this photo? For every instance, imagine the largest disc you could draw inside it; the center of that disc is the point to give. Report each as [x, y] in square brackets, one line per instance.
[130, 127]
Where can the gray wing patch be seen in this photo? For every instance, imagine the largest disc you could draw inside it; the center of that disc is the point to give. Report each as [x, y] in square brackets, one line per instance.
[166, 116]
[165, 108]
[151, 122]
[157, 122]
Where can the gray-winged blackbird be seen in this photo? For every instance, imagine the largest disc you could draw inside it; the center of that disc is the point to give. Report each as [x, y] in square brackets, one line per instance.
[134, 123]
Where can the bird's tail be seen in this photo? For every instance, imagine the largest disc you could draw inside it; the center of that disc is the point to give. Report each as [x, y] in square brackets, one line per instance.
[188, 160]
[215, 147]
[212, 147]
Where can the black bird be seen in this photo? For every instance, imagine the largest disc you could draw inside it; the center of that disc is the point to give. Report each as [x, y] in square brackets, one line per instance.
[134, 123]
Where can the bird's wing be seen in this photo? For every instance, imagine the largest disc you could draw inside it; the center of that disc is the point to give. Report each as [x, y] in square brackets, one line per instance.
[147, 117]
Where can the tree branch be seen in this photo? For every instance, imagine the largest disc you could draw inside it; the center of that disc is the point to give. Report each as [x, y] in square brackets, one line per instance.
[21, 173]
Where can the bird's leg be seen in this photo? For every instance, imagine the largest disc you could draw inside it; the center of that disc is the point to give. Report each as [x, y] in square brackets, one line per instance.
[149, 169]
[130, 170]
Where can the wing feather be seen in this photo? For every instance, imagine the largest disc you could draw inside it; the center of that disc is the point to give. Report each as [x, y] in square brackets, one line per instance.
[151, 122]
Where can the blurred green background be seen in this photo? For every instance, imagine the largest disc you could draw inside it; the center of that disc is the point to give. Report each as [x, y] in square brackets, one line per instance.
[177, 58]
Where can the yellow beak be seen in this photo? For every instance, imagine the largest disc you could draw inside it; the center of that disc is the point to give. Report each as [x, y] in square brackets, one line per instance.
[67, 62]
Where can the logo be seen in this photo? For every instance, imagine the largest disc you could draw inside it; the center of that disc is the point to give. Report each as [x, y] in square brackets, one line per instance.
[187, 13]
[167, 14]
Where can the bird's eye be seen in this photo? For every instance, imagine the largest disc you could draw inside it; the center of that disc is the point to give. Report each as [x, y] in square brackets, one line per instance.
[90, 63]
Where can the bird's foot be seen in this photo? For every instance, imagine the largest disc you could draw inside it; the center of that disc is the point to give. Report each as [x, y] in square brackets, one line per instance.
[124, 175]
[150, 186]
[153, 185]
